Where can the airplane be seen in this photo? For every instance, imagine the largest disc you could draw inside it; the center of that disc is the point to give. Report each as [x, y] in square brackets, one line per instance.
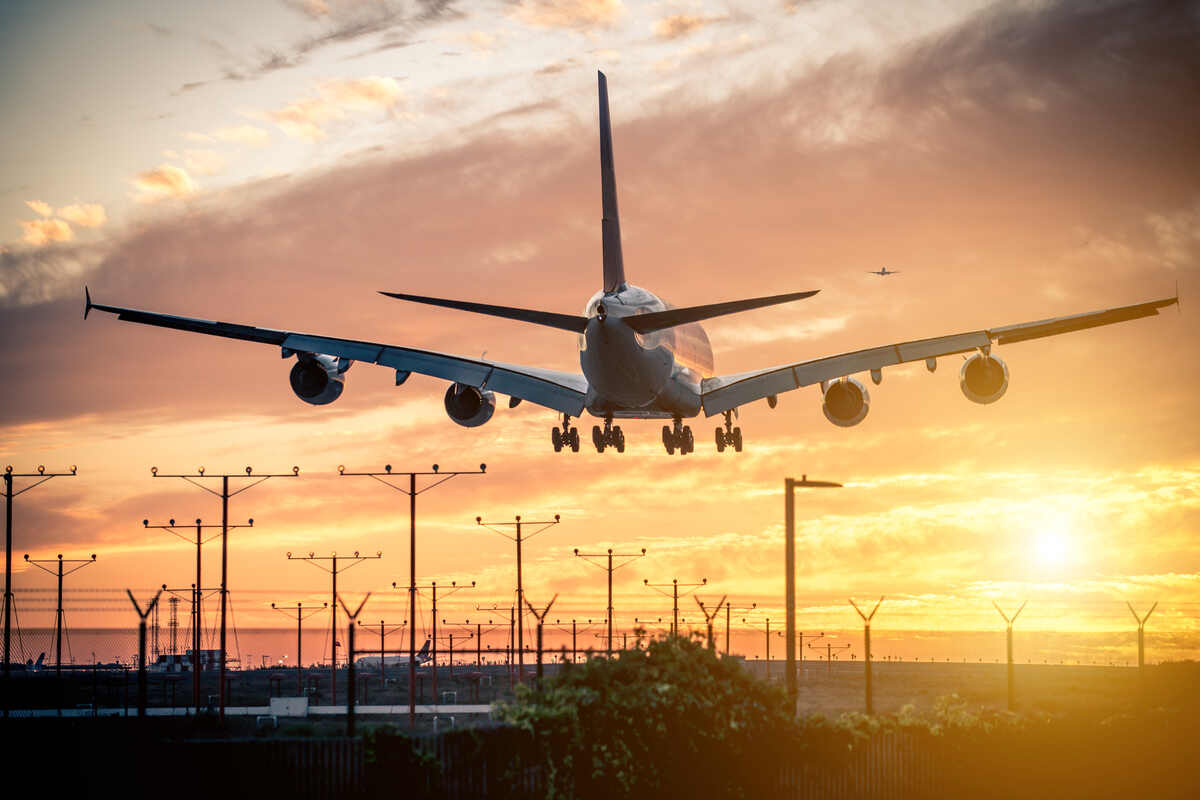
[640, 357]
[884, 272]
[421, 658]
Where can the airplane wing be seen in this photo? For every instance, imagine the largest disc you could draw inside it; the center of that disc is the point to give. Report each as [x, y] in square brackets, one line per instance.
[720, 394]
[561, 391]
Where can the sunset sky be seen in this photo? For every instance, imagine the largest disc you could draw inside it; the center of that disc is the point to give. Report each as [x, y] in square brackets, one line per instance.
[277, 163]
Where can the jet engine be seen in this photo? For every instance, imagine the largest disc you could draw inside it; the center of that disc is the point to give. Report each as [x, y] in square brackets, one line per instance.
[846, 402]
[318, 379]
[469, 406]
[984, 378]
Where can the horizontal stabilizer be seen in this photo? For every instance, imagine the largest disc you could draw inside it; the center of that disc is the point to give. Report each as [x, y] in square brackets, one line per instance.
[658, 320]
[566, 322]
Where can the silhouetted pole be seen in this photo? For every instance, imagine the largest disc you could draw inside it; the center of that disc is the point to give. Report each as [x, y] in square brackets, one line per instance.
[495, 526]
[40, 563]
[708, 618]
[302, 613]
[789, 548]
[225, 494]
[352, 687]
[511, 623]
[767, 631]
[728, 609]
[674, 595]
[9, 494]
[1141, 621]
[196, 665]
[141, 690]
[382, 633]
[610, 568]
[412, 493]
[541, 618]
[1008, 636]
[829, 648]
[800, 646]
[433, 587]
[333, 571]
[867, 649]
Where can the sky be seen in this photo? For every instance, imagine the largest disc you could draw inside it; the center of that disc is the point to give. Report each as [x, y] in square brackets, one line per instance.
[278, 163]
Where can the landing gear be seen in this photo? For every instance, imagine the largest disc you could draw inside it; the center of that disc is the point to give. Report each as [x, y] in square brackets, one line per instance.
[567, 436]
[729, 435]
[678, 438]
[610, 436]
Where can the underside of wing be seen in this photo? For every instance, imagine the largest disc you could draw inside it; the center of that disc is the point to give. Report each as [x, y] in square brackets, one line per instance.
[727, 392]
[561, 391]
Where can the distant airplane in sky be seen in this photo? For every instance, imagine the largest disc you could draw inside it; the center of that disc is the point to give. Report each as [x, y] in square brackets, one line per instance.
[640, 357]
[884, 272]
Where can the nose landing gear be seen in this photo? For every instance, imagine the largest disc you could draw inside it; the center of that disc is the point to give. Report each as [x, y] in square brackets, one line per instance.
[566, 437]
[729, 436]
[610, 436]
[680, 438]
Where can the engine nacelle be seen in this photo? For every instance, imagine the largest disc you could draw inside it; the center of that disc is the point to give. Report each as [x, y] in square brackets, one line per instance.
[983, 378]
[846, 402]
[469, 406]
[318, 379]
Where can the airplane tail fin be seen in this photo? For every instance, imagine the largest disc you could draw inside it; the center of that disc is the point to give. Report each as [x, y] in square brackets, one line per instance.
[423, 653]
[610, 225]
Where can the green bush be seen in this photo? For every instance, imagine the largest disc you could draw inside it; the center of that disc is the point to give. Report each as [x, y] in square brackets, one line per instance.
[669, 717]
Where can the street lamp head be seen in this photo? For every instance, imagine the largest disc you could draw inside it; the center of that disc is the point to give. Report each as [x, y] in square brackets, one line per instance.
[93, 556]
[249, 470]
[289, 555]
[356, 554]
[251, 522]
[379, 554]
[8, 469]
[556, 517]
[435, 467]
[483, 467]
[646, 581]
[197, 520]
[153, 471]
[295, 470]
[643, 551]
[387, 468]
[394, 586]
[201, 470]
[576, 551]
[311, 553]
[704, 581]
[341, 468]
[41, 469]
[27, 556]
[472, 584]
[72, 468]
[479, 520]
[272, 605]
[171, 521]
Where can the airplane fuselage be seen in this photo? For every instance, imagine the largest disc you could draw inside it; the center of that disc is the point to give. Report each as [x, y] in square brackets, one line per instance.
[636, 376]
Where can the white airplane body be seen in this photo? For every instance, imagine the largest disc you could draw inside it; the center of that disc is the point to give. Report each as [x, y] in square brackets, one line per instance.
[640, 358]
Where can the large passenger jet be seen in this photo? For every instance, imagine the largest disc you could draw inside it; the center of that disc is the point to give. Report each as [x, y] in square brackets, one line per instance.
[640, 358]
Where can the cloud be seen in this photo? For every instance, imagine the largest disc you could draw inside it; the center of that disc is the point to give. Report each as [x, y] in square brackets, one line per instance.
[576, 14]
[85, 215]
[40, 232]
[250, 135]
[165, 180]
[29, 277]
[314, 9]
[203, 162]
[306, 118]
[39, 207]
[678, 26]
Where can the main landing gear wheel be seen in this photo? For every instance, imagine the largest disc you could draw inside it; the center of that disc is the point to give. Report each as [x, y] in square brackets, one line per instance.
[608, 436]
[729, 436]
[566, 436]
[680, 438]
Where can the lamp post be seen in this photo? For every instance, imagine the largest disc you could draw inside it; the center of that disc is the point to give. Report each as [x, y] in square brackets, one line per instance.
[1008, 626]
[789, 486]
[610, 568]
[674, 595]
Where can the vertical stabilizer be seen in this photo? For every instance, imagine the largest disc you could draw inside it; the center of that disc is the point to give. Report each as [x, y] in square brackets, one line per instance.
[614, 265]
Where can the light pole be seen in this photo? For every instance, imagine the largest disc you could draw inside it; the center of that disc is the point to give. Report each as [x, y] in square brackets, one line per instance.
[610, 568]
[1008, 626]
[674, 595]
[495, 526]
[728, 610]
[789, 505]
[302, 613]
[867, 649]
[412, 491]
[767, 631]
[709, 616]
[79, 563]
[1141, 621]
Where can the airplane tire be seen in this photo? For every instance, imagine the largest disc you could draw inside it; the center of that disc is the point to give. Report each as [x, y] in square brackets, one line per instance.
[619, 438]
[668, 440]
[689, 444]
[720, 441]
[597, 439]
[574, 437]
[737, 439]
[556, 440]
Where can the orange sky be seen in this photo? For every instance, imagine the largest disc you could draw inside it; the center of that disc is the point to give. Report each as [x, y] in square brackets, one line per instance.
[1014, 165]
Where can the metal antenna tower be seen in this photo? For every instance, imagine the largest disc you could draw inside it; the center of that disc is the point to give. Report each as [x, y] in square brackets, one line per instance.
[709, 616]
[867, 648]
[225, 494]
[767, 631]
[433, 589]
[42, 476]
[412, 491]
[541, 618]
[197, 665]
[333, 571]
[301, 613]
[383, 634]
[496, 526]
[789, 548]
[610, 568]
[674, 595]
[173, 624]
[1008, 626]
[1141, 621]
[79, 563]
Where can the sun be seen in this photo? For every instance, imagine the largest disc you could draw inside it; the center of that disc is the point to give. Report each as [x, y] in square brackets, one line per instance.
[1052, 540]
